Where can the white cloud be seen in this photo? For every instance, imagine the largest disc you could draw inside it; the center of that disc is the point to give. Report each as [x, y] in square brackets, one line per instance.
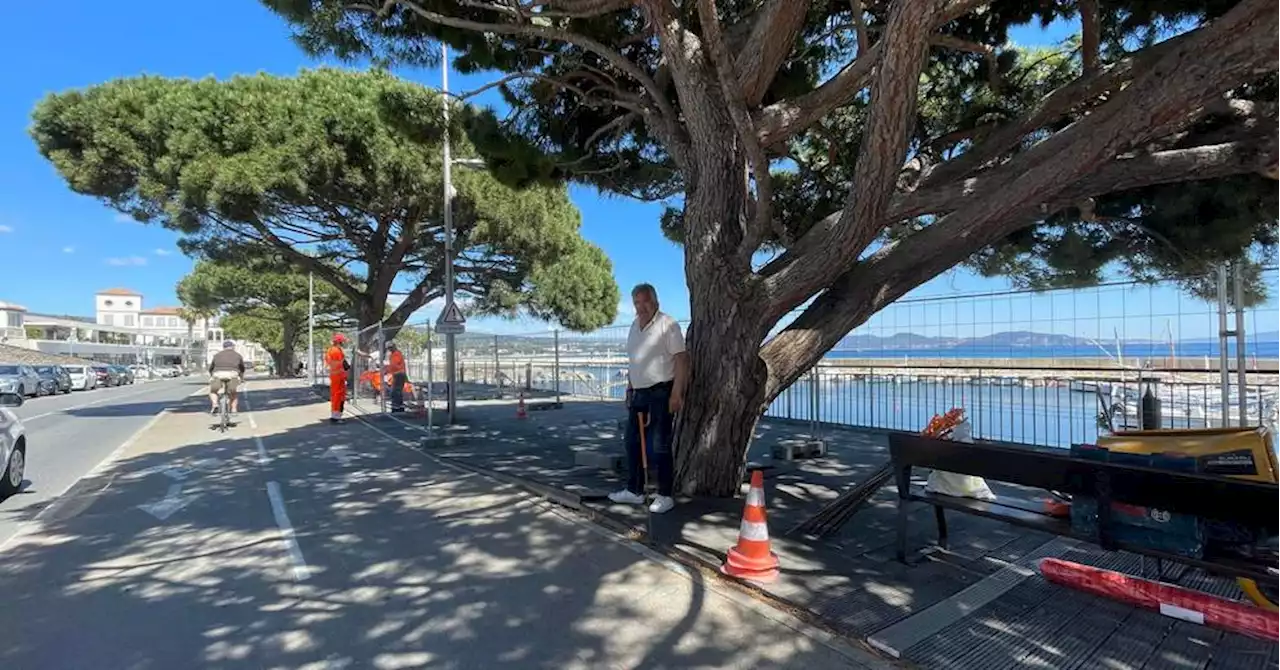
[5, 229]
[125, 261]
[68, 250]
[163, 252]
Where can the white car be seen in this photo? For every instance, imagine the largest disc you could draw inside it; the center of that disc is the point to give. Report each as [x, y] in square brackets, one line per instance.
[13, 446]
[82, 378]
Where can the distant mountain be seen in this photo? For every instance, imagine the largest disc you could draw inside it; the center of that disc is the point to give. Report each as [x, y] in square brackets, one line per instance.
[1008, 340]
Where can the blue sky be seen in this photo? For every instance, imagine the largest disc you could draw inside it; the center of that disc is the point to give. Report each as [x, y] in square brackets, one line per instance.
[63, 246]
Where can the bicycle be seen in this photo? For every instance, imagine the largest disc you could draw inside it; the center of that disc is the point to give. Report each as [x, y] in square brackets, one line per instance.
[224, 408]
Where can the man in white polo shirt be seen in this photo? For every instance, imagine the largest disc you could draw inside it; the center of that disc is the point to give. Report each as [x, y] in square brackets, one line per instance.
[658, 370]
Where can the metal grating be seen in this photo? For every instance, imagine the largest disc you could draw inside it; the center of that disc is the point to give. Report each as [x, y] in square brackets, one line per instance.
[1236, 652]
[1132, 643]
[1188, 646]
[905, 634]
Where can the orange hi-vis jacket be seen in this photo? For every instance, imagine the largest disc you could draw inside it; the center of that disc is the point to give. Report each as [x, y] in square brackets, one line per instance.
[395, 363]
[334, 358]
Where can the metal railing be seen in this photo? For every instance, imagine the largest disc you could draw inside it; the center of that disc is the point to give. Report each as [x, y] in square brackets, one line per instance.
[1048, 368]
[1049, 405]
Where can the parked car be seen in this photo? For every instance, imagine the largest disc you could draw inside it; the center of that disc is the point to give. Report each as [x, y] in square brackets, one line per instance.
[82, 377]
[126, 375]
[107, 376]
[142, 372]
[20, 379]
[13, 446]
[55, 378]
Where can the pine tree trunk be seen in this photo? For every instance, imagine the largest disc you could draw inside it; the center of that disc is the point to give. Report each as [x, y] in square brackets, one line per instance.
[725, 396]
[724, 400]
[370, 313]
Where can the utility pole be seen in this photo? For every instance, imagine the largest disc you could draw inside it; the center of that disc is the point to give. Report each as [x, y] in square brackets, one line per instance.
[450, 340]
[311, 326]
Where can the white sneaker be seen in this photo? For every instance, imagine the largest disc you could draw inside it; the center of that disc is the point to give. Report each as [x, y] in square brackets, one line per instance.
[625, 497]
[662, 504]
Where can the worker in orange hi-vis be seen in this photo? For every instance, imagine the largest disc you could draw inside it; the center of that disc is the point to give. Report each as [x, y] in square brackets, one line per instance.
[399, 376]
[336, 361]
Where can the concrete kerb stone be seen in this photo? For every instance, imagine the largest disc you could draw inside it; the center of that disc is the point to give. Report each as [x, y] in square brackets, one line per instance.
[672, 558]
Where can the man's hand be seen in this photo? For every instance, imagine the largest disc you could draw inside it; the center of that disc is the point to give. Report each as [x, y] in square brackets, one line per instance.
[676, 403]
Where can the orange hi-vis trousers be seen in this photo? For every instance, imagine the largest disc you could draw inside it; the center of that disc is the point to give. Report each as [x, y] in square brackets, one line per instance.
[337, 395]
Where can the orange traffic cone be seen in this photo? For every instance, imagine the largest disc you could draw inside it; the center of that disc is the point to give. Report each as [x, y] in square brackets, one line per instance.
[521, 413]
[753, 559]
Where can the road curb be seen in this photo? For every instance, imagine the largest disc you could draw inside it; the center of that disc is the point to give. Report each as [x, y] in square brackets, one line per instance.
[569, 507]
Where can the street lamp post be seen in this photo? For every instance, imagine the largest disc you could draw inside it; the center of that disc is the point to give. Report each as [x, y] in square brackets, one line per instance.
[311, 325]
[450, 338]
[450, 341]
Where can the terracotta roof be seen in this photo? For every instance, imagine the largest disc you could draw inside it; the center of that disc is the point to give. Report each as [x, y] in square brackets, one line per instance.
[12, 307]
[10, 354]
[120, 291]
[164, 311]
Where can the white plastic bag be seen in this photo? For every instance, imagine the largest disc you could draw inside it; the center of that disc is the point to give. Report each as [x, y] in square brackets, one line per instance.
[959, 486]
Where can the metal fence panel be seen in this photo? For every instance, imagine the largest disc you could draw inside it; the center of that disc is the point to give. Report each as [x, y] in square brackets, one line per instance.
[1049, 368]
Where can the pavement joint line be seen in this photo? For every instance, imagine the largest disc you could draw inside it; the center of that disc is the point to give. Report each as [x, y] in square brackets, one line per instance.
[88, 404]
[817, 635]
[32, 525]
[301, 571]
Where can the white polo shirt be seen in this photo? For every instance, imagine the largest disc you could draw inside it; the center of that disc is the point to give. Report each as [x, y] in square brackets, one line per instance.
[651, 351]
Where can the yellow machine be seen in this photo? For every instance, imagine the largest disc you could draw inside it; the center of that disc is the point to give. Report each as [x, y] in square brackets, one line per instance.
[1242, 453]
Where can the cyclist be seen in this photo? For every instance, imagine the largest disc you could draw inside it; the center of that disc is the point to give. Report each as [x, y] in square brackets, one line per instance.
[226, 370]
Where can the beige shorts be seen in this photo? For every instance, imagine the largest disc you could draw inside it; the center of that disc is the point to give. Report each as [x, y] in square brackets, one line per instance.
[231, 379]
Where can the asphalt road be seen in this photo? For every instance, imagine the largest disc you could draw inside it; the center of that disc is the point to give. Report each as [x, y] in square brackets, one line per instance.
[68, 435]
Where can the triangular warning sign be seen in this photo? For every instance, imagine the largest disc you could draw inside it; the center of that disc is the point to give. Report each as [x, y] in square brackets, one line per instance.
[452, 314]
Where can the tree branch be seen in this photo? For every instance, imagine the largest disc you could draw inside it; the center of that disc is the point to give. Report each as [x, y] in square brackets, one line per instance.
[819, 256]
[1089, 35]
[898, 268]
[665, 112]
[780, 121]
[784, 119]
[859, 25]
[1053, 175]
[762, 218]
[1052, 107]
[987, 52]
[773, 34]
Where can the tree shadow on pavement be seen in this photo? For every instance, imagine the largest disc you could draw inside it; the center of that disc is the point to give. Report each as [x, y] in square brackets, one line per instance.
[174, 558]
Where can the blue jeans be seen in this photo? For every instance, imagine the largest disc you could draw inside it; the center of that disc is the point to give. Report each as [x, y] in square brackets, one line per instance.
[659, 434]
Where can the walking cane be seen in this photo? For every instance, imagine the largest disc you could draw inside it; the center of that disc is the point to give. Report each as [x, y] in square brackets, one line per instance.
[643, 419]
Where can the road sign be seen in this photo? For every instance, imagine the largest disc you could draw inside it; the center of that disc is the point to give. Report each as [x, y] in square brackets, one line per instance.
[451, 314]
[450, 328]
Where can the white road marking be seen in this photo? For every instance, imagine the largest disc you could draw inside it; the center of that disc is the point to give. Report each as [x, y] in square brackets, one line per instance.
[88, 404]
[338, 453]
[34, 523]
[166, 507]
[263, 458]
[301, 571]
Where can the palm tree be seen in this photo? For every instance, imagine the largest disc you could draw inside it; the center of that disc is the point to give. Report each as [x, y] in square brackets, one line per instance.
[191, 314]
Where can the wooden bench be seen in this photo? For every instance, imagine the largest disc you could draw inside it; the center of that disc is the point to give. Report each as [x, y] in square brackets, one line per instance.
[1251, 504]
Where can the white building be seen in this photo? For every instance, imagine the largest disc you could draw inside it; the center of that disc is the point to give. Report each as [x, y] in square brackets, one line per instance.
[117, 307]
[121, 331]
[12, 322]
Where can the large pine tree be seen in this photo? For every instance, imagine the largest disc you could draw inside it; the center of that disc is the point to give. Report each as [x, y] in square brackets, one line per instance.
[834, 155]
